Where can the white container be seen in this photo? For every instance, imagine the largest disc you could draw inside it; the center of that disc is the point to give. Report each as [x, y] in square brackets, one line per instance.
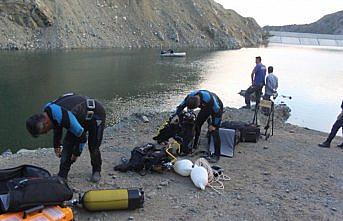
[183, 167]
[199, 177]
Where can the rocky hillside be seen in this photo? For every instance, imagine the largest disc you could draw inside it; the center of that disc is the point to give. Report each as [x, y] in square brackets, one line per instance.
[329, 24]
[35, 24]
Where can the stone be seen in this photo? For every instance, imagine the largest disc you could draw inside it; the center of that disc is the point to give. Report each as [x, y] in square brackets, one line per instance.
[334, 209]
[145, 119]
[21, 151]
[131, 218]
[266, 173]
[7, 153]
[164, 183]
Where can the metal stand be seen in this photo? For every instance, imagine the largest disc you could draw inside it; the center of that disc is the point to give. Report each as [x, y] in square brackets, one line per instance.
[270, 106]
[270, 119]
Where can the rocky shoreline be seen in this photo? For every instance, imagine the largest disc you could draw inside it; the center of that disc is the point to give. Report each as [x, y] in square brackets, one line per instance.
[285, 178]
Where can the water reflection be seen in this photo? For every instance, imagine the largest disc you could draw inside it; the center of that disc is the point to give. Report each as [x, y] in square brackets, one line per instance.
[129, 81]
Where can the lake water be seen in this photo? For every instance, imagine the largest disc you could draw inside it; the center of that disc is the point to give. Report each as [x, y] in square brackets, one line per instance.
[129, 81]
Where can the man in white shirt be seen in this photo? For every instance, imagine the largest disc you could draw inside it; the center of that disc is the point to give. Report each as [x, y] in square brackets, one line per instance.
[271, 84]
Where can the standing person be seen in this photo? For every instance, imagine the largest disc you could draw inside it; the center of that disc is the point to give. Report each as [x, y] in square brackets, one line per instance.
[257, 82]
[78, 115]
[271, 84]
[337, 125]
[210, 105]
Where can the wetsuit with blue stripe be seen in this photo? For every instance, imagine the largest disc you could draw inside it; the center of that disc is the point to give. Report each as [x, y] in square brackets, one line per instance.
[63, 118]
[210, 105]
[70, 112]
[337, 125]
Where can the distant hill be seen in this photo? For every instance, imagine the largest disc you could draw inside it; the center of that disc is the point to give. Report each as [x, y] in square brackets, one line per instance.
[329, 24]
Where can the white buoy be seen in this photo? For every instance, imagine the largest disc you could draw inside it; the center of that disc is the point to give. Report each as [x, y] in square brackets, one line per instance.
[199, 177]
[183, 167]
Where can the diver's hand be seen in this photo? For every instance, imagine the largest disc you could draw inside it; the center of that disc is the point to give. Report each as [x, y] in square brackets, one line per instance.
[340, 116]
[73, 158]
[58, 152]
[211, 128]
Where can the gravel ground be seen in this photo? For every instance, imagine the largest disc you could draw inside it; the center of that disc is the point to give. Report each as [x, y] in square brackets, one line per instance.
[287, 177]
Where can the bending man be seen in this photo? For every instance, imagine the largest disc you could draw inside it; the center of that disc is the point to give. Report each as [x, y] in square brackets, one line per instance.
[210, 105]
[78, 115]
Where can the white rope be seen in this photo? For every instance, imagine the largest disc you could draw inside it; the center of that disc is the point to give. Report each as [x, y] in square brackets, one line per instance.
[215, 183]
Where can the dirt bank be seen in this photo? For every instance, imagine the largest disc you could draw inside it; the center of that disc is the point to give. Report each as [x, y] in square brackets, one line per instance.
[45, 24]
[285, 178]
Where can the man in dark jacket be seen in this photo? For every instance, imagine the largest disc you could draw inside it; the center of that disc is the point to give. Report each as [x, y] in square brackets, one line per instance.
[78, 115]
[337, 125]
[210, 105]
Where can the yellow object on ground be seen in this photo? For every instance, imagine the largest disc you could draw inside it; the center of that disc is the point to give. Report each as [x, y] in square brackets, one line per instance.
[54, 213]
[117, 199]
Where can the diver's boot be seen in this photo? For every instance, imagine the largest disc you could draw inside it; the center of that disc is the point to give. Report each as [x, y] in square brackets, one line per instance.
[95, 177]
[213, 159]
[325, 144]
[246, 107]
[340, 145]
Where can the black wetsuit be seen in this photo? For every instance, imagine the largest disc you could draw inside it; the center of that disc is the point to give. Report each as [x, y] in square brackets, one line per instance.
[210, 105]
[71, 112]
[336, 126]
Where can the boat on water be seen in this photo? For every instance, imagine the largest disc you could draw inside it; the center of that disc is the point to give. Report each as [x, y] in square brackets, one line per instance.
[171, 53]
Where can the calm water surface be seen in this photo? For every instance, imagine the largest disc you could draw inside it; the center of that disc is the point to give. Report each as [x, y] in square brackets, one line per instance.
[129, 81]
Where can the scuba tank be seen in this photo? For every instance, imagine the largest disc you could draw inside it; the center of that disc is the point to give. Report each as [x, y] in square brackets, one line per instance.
[114, 199]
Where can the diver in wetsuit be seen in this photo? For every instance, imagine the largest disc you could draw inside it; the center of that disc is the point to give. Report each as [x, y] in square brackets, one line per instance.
[210, 105]
[336, 126]
[78, 115]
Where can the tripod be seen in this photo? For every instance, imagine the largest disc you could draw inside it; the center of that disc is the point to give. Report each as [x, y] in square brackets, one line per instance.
[268, 107]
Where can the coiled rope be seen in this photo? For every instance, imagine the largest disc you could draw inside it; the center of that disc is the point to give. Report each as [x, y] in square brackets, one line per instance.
[216, 183]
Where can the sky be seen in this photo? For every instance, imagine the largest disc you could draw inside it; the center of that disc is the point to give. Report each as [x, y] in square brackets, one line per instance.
[275, 12]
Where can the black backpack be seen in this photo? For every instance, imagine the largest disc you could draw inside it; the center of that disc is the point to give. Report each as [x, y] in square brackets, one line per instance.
[145, 158]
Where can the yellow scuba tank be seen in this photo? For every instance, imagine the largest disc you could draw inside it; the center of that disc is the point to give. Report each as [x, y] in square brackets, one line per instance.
[115, 199]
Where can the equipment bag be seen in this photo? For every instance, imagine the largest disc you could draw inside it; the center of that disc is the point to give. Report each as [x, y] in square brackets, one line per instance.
[25, 193]
[115, 199]
[144, 158]
[251, 133]
[53, 213]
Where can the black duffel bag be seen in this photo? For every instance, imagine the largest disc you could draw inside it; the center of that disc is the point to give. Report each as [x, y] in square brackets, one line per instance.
[33, 190]
[248, 132]
[23, 171]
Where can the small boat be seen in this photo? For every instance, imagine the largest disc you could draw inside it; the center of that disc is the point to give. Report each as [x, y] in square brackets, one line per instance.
[171, 53]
